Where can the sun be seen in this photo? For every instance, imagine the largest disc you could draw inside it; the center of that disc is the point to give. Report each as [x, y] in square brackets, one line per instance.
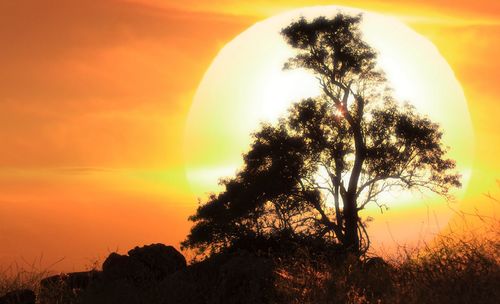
[246, 85]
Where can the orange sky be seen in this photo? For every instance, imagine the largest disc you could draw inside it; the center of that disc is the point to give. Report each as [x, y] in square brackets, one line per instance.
[94, 95]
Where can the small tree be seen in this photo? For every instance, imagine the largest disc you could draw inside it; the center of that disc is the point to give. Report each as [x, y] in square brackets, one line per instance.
[309, 175]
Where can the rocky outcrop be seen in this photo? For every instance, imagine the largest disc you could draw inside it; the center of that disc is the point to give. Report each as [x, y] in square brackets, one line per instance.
[233, 278]
[151, 262]
[229, 278]
[161, 260]
[117, 266]
[159, 274]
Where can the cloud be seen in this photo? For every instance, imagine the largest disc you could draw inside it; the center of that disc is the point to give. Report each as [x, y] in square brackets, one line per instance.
[99, 49]
[100, 83]
[464, 8]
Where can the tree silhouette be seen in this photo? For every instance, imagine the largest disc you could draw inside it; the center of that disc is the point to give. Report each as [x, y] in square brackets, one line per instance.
[308, 176]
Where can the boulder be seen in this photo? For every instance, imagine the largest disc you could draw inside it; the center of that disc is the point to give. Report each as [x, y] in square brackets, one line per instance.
[136, 277]
[241, 278]
[72, 280]
[22, 296]
[50, 282]
[65, 287]
[161, 260]
[151, 262]
[118, 266]
[80, 280]
[51, 288]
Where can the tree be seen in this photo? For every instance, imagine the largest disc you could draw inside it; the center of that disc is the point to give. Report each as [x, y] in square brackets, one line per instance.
[309, 175]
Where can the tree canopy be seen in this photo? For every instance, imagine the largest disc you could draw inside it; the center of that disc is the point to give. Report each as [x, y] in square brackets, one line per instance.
[309, 175]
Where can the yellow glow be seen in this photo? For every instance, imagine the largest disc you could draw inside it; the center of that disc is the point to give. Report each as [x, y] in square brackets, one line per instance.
[245, 86]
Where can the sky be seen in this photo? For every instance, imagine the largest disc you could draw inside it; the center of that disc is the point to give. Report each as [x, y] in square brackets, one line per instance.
[94, 97]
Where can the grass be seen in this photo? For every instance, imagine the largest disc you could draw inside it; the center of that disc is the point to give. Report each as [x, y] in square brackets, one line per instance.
[458, 267]
[28, 276]
[454, 271]
[455, 268]
[17, 277]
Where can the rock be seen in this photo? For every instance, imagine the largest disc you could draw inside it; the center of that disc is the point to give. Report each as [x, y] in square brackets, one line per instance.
[50, 282]
[64, 288]
[234, 278]
[136, 277]
[118, 266]
[240, 278]
[152, 262]
[113, 263]
[22, 296]
[51, 288]
[72, 280]
[160, 259]
[80, 280]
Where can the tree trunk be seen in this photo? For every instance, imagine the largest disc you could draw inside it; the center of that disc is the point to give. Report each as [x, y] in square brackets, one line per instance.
[351, 242]
[351, 238]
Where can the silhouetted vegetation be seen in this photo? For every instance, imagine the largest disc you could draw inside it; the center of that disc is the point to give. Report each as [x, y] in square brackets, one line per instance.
[306, 178]
[456, 270]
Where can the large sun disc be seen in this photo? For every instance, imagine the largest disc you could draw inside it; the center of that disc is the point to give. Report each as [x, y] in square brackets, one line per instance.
[245, 85]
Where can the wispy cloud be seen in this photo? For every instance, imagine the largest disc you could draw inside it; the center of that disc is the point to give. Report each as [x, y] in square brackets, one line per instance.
[82, 170]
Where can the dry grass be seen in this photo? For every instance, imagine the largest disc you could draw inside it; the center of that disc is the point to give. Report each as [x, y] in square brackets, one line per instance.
[457, 268]
[25, 276]
[29, 275]
[455, 271]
